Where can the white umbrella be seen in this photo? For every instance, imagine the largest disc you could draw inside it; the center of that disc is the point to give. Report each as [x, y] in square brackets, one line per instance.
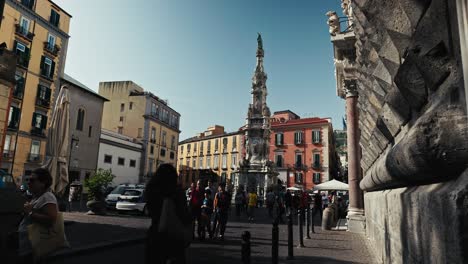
[294, 188]
[332, 185]
[58, 137]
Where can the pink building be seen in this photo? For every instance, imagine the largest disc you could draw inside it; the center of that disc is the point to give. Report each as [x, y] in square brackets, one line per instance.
[303, 149]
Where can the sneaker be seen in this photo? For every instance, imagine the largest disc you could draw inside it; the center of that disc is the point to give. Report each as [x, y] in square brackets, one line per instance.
[221, 237]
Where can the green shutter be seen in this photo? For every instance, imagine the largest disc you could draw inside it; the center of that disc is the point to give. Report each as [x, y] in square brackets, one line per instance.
[42, 62]
[47, 94]
[15, 44]
[52, 70]
[44, 122]
[33, 123]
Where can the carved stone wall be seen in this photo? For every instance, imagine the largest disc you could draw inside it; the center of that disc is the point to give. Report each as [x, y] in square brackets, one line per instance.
[413, 129]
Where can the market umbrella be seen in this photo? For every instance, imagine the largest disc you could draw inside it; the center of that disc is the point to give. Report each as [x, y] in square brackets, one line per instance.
[332, 185]
[58, 136]
[294, 188]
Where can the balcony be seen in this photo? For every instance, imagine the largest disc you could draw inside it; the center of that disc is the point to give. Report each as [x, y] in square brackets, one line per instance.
[34, 157]
[23, 32]
[37, 131]
[8, 155]
[51, 49]
[316, 166]
[18, 92]
[43, 102]
[299, 166]
[22, 60]
[279, 143]
[298, 142]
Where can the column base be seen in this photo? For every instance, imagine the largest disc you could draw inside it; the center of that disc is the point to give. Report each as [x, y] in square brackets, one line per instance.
[356, 223]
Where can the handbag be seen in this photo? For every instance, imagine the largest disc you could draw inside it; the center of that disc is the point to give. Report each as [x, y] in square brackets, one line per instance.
[45, 240]
[171, 224]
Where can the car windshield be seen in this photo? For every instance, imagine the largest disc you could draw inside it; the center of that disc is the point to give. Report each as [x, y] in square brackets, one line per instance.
[132, 193]
[119, 190]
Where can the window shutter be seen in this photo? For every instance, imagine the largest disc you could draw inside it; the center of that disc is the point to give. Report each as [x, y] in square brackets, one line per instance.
[15, 44]
[44, 122]
[47, 94]
[33, 123]
[57, 19]
[52, 70]
[42, 62]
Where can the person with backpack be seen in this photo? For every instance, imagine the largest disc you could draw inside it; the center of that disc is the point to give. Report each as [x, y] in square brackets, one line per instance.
[221, 206]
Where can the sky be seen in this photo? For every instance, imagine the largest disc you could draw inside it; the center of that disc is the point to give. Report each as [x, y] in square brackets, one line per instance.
[200, 54]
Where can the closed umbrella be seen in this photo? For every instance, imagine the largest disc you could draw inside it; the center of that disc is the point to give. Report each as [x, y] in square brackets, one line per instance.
[58, 136]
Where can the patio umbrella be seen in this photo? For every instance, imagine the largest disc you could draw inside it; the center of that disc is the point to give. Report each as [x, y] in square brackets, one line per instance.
[294, 188]
[58, 138]
[332, 185]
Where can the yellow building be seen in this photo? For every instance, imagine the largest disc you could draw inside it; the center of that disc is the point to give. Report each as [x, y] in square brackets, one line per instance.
[211, 155]
[142, 115]
[37, 31]
[7, 81]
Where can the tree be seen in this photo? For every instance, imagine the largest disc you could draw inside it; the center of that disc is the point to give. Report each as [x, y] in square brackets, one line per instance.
[98, 183]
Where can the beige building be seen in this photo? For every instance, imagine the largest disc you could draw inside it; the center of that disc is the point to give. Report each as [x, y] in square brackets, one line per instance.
[37, 31]
[142, 115]
[7, 82]
[211, 155]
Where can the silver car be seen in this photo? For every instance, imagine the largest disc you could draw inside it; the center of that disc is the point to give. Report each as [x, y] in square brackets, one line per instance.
[132, 200]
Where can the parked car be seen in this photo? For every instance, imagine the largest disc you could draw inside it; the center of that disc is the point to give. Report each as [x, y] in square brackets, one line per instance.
[112, 197]
[132, 200]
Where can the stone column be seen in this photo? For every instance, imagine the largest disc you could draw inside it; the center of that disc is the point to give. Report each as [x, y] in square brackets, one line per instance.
[356, 219]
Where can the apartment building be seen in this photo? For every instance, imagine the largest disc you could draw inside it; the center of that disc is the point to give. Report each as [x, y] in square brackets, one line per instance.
[136, 113]
[37, 32]
[212, 155]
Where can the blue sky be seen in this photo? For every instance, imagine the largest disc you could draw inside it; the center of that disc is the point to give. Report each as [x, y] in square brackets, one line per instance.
[200, 54]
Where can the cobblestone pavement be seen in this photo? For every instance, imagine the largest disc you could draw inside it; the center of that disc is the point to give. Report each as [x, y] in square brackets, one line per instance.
[324, 247]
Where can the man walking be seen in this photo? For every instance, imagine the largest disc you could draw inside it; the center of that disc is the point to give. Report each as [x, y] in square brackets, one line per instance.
[221, 207]
[252, 204]
[196, 200]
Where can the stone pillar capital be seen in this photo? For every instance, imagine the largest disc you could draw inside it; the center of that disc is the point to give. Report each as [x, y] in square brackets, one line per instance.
[350, 88]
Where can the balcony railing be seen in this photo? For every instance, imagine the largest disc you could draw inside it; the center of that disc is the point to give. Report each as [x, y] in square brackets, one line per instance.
[316, 166]
[37, 131]
[23, 32]
[52, 49]
[8, 155]
[33, 157]
[299, 142]
[43, 102]
[279, 143]
[18, 92]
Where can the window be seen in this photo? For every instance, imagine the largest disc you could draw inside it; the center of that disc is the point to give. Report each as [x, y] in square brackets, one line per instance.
[316, 136]
[298, 162]
[298, 177]
[122, 107]
[200, 162]
[140, 132]
[279, 161]
[130, 106]
[234, 142]
[120, 130]
[35, 150]
[39, 121]
[317, 178]
[216, 145]
[121, 119]
[20, 48]
[225, 142]
[151, 149]
[188, 148]
[108, 159]
[201, 148]
[279, 139]
[234, 161]
[317, 160]
[163, 152]
[47, 67]
[54, 18]
[173, 142]
[181, 149]
[224, 161]
[208, 162]
[80, 119]
[121, 161]
[51, 42]
[223, 177]
[153, 135]
[154, 110]
[194, 162]
[164, 138]
[13, 117]
[172, 155]
[90, 131]
[195, 147]
[24, 26]
[43, 96]
[298, 138]
[6, 146]
[28, 3]
[22, 52]
[19, 86]
[216, 162]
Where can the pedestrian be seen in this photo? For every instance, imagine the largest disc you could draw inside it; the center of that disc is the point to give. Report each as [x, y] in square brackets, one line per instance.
[239, 201]
[317, 206]
[161, 248]
[41, 210]
[324, 201]
[206, 212]
[196, 199]
[270, 202]
[211, 188]
[252, 204]
[281, 206]
[188, 192]
[221, 207]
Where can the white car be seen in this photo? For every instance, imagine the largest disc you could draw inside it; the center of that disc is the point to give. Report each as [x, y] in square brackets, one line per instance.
[132, 200]
[111, 199]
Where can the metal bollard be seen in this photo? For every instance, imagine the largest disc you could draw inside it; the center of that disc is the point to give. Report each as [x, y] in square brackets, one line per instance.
[246, 247]
[301, 231]
[308, 223]
[274, 242]
[290, 237]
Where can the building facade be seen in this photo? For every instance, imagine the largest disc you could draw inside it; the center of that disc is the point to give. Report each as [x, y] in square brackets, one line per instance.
[37, 31]
[142, 115]
[303, 149]
[86, 108]
[212, 155]
[342, 152]
[122, 155]
[7, 82]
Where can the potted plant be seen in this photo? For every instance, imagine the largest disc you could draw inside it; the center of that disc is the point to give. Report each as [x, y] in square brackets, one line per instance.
[97, 185]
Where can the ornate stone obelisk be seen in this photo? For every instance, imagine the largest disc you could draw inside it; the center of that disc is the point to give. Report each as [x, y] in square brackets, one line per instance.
[256, 170]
